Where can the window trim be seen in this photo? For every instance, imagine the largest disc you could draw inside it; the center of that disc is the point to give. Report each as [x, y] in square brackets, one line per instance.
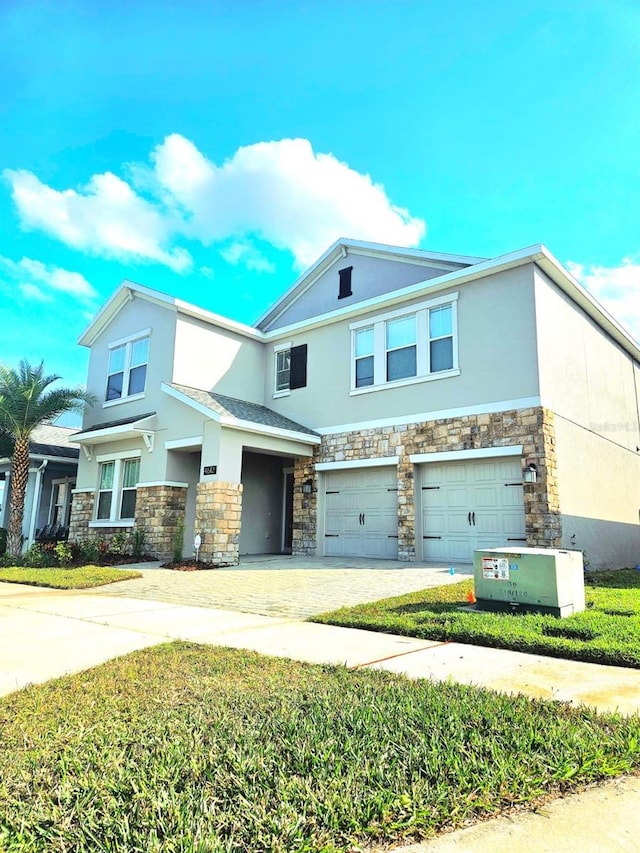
[423, 340]
[119, 460]
[128, 343]
[279, 348]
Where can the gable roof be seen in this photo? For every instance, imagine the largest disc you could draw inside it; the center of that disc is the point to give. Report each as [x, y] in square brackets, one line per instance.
[230, 411]
[457, 270]
[129, 290]
[340, 248]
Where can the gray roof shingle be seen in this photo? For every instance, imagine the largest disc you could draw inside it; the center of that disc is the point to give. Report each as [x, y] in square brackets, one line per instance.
[241, 409]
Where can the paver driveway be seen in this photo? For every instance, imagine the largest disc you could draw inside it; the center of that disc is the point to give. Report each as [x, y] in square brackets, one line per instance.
[286, 586]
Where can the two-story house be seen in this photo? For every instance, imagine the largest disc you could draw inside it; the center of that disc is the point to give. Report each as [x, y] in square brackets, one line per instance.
[392, 403]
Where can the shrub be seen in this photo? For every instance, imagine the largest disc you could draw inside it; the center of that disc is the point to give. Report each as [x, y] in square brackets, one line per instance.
[3, 540]
[88, 551]
[177, 541]
[64, 553]
[137, 542]
[38, 557]
[118, 543]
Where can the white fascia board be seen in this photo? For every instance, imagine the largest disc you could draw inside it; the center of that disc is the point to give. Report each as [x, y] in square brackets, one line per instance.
[577, 293]
[128, 290]
[480, 409]
[188, 401]
[125, 293]
[100, 436]
[264, 429]
[178, 443]
[371, 462]
[428, 287]
[171, 483]
[455, 455]
[213, 319]
[36, 457]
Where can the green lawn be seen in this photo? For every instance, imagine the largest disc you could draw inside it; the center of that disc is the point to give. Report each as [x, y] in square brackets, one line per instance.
[82, 577]
[184, 748]
[608, 631]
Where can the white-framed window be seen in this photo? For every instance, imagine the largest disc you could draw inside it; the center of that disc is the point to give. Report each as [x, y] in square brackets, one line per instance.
[61, 497]
[127, 368]
[117, 482]
[283, 369]
[363, 350]
[401, 348]
[405, 346]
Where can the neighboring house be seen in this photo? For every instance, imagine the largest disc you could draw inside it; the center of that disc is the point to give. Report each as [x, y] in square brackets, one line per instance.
[53, 465]
[393, 403]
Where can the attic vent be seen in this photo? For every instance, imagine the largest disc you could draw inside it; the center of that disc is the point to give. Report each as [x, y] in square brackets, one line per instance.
[345, 282]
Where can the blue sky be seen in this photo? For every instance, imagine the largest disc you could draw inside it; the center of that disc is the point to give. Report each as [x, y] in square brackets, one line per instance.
[212, 150]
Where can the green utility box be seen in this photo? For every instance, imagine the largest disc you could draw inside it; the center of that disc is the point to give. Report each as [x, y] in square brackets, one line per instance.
[540, 580]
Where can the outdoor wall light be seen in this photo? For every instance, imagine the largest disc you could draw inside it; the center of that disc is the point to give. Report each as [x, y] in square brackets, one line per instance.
[306, 487]
[530, 473]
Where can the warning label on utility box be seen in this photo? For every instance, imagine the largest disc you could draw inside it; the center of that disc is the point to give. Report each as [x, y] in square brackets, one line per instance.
[495, 568]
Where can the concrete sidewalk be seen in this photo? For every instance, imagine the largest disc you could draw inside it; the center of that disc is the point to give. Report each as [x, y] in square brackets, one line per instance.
[47, 633]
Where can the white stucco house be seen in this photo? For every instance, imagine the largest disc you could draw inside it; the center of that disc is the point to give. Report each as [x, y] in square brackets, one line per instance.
[392, 403]
[53, 465]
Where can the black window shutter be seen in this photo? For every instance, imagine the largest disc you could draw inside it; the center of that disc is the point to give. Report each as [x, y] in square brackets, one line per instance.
[345, 282]
[298, 367]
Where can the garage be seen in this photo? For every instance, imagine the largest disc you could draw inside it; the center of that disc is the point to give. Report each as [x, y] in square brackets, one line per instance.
[471, 505]
[361, 512]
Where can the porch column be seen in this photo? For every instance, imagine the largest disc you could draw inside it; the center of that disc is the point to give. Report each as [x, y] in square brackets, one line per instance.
[35, 507]
[218, 519]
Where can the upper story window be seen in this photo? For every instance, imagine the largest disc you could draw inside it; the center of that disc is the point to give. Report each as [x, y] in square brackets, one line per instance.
[364, 356]
[127, 369]
[290, 368]
[283, 369]
[402, 347]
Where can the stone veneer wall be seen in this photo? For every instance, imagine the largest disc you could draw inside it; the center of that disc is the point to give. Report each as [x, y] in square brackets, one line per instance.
[81, 515]
[218, 512]
[532, 428]
[159, 512]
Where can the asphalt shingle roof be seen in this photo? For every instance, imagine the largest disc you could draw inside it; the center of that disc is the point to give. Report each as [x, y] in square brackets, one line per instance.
[241, 409]
[52, 440]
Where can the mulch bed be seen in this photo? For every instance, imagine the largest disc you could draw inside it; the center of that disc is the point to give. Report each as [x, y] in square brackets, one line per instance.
[193, 566]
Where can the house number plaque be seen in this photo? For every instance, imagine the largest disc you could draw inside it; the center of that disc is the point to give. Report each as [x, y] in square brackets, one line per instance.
[210, 469]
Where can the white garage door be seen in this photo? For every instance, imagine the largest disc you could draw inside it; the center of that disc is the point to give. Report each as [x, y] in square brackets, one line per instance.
[471, 505]
[361, 513]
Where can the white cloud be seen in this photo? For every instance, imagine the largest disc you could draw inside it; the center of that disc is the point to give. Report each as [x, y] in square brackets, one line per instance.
[106, 218]
[280, 192]
[283, 192]
[245, 253]
[34, 293]
[616, 288]
[37, 280]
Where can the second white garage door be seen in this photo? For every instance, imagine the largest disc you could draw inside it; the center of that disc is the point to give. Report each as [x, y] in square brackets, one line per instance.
[361, 513]
[471, 505]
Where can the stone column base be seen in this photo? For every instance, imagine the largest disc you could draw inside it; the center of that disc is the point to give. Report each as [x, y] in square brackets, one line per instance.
[218, 519]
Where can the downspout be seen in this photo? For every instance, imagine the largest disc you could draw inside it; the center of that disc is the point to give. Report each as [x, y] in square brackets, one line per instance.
[37, 494]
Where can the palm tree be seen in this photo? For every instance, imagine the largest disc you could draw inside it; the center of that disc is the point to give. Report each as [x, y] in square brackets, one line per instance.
[26, 401]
